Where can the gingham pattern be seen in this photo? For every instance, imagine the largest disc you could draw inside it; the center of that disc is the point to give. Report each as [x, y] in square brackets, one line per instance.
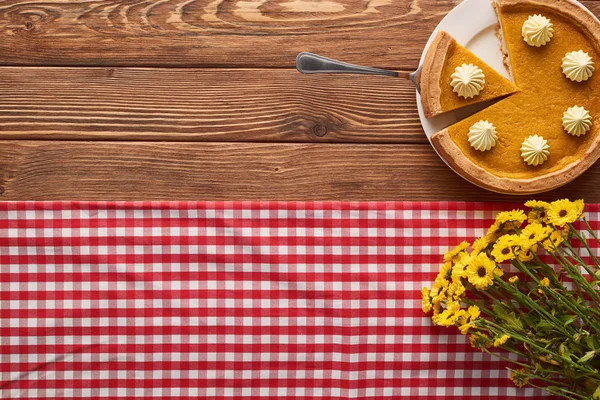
[234, 300]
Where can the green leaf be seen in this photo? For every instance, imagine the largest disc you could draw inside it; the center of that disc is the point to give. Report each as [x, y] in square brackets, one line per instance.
[544, 326]
[588, 356]
[500, 310]
[596, 394]
[563, 350]
[530, 319]
[509, 318]
[593, 342]
[567, 319]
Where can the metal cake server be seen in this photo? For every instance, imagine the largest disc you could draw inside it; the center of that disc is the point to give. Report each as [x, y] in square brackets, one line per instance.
[309, 63]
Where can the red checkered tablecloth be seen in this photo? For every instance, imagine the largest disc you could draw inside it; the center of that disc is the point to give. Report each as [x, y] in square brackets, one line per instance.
[257, 300]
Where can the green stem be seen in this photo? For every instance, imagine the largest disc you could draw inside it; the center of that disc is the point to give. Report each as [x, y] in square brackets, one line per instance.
[532, 304]
[576, 275]
[560, 392]
[507, 359]
[544, 350]
[596, 262]
[578, 257]
[590, 229]
[570, 304]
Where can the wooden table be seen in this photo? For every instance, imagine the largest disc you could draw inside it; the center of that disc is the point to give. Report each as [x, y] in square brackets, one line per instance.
[199, 99]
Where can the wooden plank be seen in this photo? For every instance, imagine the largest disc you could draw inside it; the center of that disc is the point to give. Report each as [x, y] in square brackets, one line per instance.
[255, 33]
[232, 33]
[204, 105]
[54, 170]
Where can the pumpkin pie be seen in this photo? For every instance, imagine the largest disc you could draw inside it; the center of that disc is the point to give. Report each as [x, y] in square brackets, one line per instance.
[546, 96]
[442, 59]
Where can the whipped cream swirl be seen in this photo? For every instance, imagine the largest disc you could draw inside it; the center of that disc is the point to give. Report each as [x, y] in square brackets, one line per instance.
[535, 150]
[578, 66]
[577, 121]
[467, 80]
[482, 136]
[537, 30]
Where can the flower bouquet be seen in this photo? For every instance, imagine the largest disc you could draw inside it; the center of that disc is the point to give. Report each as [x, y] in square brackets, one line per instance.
[530, 286]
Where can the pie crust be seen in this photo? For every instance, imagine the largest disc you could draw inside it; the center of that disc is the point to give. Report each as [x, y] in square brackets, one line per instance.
[431, 74]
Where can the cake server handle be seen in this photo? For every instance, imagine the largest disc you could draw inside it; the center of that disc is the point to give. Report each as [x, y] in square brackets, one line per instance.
[309, 63]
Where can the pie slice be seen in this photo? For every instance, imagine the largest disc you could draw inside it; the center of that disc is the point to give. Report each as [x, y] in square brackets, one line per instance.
[441, 60]
[546, 94]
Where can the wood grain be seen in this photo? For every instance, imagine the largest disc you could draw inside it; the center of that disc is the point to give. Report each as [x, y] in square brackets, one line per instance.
[218, 33]
[55, 170]
[204, 105]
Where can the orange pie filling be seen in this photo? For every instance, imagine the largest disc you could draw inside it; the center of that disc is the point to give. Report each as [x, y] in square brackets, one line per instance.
[538, 108]
[495, 85]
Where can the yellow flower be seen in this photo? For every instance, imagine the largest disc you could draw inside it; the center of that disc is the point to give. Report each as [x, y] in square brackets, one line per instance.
[452, 255]
[437, 308]
[548, 360]
[453, 307]
[519, 378]
[538, 211]
[440, 319]
[534, 216]
[464, 328]
[513, 279]
[445, 270]
[480, 272]
[551, 244]
[499, 272]
[503, 249]
[463, 322]
[501, 340]
[533, 234]
[563, 212]
[427, 306]
[456, 290]
[459, 269]
[544, 282]
[458, 272]
[537, 205]
[580, 206]
[480, 245]
[480, 341]
[462, 317]
[440, 282]
[493, 233]
[449, 316]
[525, 256]
[510, 218]
[438, 289]
[474, 312]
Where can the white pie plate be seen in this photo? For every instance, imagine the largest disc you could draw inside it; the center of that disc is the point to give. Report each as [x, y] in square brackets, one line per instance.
[473, 24]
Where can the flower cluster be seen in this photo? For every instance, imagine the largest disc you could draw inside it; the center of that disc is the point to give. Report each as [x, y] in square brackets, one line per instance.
[498, 290]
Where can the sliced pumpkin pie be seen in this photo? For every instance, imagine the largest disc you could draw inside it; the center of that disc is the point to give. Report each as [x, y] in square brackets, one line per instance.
[548, 133]
[453, 77]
